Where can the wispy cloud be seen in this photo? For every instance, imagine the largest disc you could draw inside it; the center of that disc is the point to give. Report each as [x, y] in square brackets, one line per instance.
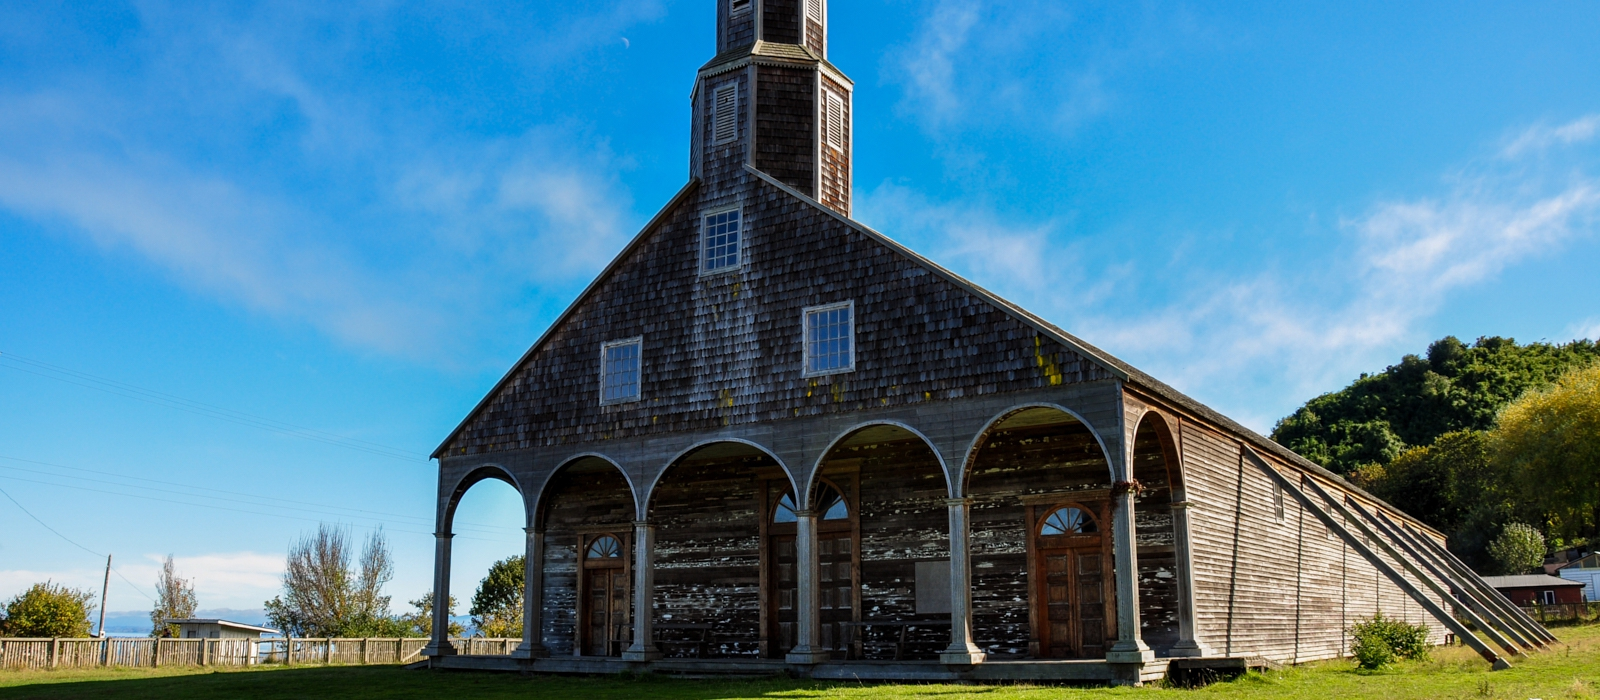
[1542, 136]
[374, 221]
[1226, 337]
[222, 579]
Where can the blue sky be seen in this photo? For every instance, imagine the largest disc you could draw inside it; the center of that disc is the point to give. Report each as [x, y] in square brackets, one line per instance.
[353, 218]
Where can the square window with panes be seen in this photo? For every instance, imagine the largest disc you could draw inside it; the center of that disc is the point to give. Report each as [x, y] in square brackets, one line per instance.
[830, 339]
[720, 235]
[619, 371]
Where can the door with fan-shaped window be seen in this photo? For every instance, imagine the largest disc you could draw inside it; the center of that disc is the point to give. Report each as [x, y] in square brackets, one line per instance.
[603, 601]
[838, 596]
[1072, 580]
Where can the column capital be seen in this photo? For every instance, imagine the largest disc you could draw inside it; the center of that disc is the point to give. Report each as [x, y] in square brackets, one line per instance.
[805, 514]
[950, 502]
[533, 530]
[643, 524]
[444, 535]
[1181, 505]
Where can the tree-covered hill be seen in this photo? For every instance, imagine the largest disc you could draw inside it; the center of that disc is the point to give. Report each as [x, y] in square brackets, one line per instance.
[1456, 387]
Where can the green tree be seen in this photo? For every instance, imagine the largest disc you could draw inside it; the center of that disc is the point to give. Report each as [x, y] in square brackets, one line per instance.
[420, 622]
[48, 610]
[1550, 439]
[1410, 404]
[175, 600]
[1453, 485]
[497, 605]
[325, 594]
[1518, 550]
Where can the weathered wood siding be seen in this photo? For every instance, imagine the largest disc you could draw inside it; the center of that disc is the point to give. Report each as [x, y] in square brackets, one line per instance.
[739, 30]
[1013, 463]
[726, 349]
[708, 552]
[904, 520]
[834, 174]
[786, 128]
[577, 501]
[780, 21]
[1281, 589]
[1155, 542]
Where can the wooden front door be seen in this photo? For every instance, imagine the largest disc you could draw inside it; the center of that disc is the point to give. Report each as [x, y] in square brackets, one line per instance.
[836, 588]
[1072, 585]
[838, 596]
[603, 605]
[785, 595]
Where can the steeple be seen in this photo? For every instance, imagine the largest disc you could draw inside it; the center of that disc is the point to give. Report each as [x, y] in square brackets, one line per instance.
[770, 99]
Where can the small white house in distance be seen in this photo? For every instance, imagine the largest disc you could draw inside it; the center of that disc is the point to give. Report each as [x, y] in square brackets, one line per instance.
[198, 628]
[1587, 572]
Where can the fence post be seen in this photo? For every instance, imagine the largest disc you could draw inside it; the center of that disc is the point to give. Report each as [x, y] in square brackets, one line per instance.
[155, 654]
[399, 650]
[364, 660]
[288, 650]
[327, 653]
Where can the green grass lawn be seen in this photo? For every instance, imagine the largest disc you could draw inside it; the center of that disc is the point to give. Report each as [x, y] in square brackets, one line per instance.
[1569, 671]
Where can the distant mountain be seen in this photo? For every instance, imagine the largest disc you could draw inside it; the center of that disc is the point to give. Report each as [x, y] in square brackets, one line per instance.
[136, 623]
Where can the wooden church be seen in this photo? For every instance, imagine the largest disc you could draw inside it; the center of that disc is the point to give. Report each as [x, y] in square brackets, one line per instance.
[770, 439]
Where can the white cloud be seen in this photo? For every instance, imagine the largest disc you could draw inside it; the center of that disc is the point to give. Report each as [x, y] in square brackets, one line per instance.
[221, 580]
[1542, 136]
[1232, 339]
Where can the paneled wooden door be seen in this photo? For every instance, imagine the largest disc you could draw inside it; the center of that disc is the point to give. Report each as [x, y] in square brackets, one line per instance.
[603, 604]
[1071, 589]
[836, 585]
[785, 595]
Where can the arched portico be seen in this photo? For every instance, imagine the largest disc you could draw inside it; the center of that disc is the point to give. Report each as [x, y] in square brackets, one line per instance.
[1166, 580]
[1032, 466]
[578, 603]
[699, 553]
[450, 494]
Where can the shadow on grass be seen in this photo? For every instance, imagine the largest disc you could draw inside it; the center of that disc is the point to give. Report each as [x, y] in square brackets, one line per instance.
[395, 682]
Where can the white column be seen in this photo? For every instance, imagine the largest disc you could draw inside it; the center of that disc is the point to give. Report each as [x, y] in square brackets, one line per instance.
[962, 651]
[644, 584]
[807, 648]
[532, 646]
[1129, 647]
[1188, 636]
[440, 645]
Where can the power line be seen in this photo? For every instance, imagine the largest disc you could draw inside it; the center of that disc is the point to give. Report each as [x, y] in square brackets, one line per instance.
[150, 396]
[69, 540]
[205, 505]
[315, 507]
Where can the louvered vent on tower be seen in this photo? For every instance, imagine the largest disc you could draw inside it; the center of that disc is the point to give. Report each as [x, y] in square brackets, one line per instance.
[814, 10]
[725, 114]
[833, 120]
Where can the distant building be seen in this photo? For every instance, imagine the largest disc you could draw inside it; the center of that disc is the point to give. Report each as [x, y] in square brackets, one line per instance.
[1585, 571]
[198, 628]
[1542, 589]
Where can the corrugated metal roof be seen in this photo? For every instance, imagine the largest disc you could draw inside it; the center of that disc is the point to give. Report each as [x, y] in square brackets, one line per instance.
[1529, 581]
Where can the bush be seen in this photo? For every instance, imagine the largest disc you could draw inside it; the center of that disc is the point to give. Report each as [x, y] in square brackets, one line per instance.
[1518, 550]
[48, 610]
[1379, 641]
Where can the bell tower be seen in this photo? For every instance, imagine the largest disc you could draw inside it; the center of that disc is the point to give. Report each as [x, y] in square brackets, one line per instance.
[770, 99]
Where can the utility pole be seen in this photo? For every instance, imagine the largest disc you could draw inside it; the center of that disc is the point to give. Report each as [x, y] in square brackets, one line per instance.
[103, 588]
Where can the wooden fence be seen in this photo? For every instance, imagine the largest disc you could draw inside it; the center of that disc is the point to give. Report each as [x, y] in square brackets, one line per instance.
[29, 654]
[1576, 612]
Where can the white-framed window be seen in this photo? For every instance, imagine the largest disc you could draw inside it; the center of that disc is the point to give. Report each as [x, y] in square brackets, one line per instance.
[814, 10]
[1549, 597]
[619, 370]
[725, 114]
[738, 7]
[833, 120]
[720, 235]
[830, 338]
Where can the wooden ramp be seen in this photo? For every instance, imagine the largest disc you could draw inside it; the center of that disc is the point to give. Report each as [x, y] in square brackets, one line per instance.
[1506, 626]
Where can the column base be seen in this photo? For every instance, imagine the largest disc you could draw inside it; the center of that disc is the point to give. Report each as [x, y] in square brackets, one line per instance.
[641, 654]
[958, 656]
[1135, 652]
[532, 651]
[1191, 649]
[439, 649]
[808, 656]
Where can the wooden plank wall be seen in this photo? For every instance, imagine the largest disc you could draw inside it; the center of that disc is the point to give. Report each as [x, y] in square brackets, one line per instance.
[1156, 542]
[786, 125]
[708, 552]
[835, 172]
[780, 21]
[577, 501]
[1012, 463]
[904, 520]
[1285, 589]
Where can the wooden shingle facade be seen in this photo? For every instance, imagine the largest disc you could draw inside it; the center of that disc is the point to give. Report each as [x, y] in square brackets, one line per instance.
[950, 487]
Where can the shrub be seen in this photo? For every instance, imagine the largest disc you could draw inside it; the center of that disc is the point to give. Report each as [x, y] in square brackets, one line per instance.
[1381, 640]
[48, 610]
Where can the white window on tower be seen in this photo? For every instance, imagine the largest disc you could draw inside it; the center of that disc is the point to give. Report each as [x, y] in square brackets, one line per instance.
[833, 120]
[814, 10]
[725, 114]
[719, 241]
[830, 339]
[738, 7]
[619, 371]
